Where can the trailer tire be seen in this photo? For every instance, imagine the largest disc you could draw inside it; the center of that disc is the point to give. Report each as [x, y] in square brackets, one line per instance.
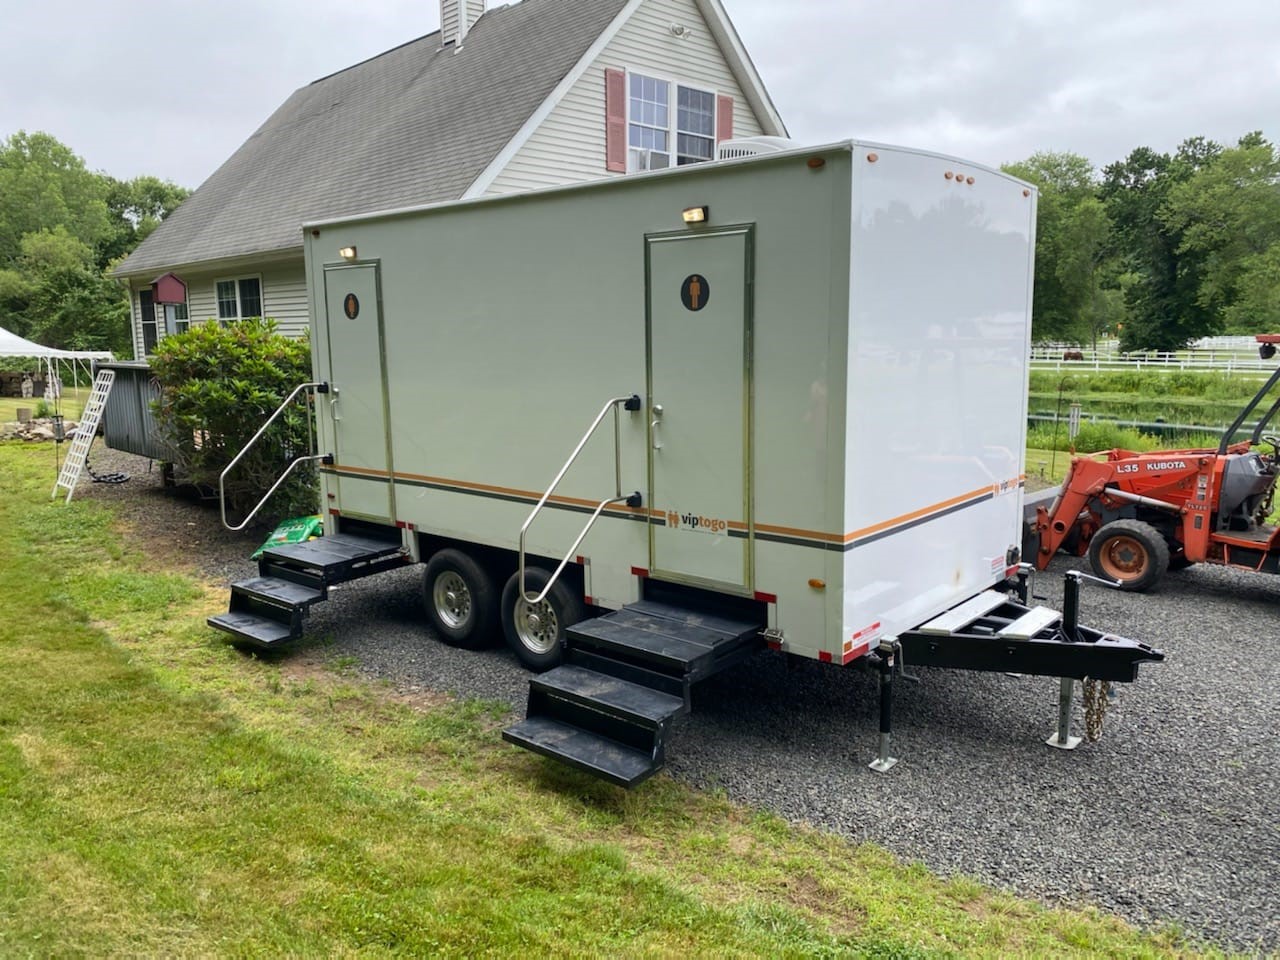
[461, 600]
[1130, 552]
[536, 634]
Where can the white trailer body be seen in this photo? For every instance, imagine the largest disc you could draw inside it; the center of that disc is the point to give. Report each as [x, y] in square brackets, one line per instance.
[833, 371]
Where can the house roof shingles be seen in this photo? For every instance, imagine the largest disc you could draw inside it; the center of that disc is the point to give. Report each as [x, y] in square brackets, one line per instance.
[414, 125]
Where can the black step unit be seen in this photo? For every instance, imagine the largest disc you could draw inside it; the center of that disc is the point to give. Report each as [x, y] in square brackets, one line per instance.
[667, 638]
[253, 629]
[579, 748]
[335, 559]
[268, 610]
[630, 702]
[608, 711]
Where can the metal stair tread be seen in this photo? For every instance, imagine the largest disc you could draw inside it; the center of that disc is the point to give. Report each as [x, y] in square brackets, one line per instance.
[252, 627]
[619, 636]
[279, 590]
[338, 549]
[689, 632]
[608, 694]
[696, 619]
[580, 748]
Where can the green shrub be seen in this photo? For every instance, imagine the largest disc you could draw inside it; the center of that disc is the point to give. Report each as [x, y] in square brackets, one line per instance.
[218, 385]
[1096, 436]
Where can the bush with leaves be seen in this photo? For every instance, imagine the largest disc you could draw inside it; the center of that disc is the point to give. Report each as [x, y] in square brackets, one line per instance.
[218, 385]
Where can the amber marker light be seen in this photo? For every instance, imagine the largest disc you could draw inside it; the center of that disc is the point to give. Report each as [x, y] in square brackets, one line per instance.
[949, 175]
[347, 253]
[818, 584]
[817, 163]
[872, 157]
[969, 181]
[696, 214]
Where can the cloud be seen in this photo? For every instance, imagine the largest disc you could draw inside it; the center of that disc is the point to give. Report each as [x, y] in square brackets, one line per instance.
[152, 86]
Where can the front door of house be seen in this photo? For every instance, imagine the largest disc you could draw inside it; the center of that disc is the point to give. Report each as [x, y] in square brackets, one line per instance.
[699, 329]
[359, 400]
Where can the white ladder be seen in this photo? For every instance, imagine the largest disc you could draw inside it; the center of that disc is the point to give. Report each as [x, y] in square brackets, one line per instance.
[85, 432]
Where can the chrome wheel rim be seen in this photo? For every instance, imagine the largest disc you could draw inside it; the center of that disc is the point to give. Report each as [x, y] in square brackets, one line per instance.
[452, 600]
[537, 626]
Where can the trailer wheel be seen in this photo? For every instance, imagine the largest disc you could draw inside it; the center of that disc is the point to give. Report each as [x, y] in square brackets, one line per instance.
[1130, 552]
[536, 632]
[461, 600]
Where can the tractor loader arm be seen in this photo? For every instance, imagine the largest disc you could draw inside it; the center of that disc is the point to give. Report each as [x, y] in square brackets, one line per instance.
[1085, 481]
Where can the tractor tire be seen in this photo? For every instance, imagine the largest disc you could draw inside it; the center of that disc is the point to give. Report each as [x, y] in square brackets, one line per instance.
[1130, 552]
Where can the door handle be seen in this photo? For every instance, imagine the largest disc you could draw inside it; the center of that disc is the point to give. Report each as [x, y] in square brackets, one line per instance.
[333, 410]
[655, 424]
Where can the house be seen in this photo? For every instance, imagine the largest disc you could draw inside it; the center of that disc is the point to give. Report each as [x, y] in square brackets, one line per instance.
[530, 95]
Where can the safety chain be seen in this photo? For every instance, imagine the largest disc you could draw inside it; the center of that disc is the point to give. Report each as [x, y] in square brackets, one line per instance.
[1096, 696]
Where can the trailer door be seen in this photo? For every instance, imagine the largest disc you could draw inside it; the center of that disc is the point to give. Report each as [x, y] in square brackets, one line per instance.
[359, 402]
[699, 335]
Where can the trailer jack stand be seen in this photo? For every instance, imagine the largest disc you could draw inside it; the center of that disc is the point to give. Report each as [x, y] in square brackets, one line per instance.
[1061, 738]
[888, 651]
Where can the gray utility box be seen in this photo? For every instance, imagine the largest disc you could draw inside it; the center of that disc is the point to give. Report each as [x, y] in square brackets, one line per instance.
[127, 421]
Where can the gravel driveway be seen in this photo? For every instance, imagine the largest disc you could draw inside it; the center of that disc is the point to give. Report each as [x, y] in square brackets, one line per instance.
[1173, 816]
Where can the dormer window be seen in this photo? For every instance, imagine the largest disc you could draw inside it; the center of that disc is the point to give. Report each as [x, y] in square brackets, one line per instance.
[666, 119]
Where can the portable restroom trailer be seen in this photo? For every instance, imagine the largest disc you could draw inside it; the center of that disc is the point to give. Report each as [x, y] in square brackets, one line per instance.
[808, 371]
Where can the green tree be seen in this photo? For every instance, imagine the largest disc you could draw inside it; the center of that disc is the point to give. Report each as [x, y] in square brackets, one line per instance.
[57, 294]
[61, 227]
[43, 185]
[1228, 215]
[1162, 293]
[1072, 248]
[136, 208]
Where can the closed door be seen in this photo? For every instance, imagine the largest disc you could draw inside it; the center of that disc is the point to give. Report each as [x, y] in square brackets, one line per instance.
[699, 310]
[359, 402]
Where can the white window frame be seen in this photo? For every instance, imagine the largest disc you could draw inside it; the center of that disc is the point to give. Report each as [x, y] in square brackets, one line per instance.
[154, 323]
[673, 118]
[181, 324]
[240, 314]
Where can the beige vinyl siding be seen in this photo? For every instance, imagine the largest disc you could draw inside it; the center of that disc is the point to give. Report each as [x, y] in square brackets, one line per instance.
[284, 297]
[569, 145]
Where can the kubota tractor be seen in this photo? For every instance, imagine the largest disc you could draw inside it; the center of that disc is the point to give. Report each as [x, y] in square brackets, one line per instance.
[1138, 514]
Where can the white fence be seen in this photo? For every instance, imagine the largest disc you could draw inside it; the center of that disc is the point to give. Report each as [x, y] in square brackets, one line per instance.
[1221, 354]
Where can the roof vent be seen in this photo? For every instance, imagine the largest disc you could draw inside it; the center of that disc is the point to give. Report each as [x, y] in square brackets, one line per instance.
[753, 147]
[457, 17]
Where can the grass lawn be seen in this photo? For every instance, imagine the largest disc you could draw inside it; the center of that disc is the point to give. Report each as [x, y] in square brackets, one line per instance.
[73, 401]
[161, 794]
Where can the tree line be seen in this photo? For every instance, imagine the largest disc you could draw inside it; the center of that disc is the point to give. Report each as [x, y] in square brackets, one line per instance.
[63, 228]
[1158, 249]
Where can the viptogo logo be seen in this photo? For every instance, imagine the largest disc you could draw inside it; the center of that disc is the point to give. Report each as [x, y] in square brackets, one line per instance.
[693, 521]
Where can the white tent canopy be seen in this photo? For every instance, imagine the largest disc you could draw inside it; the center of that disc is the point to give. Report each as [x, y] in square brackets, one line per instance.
[12, 345]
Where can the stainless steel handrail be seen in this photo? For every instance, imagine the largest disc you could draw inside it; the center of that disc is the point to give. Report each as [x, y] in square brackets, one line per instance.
[319, 387]
[632, 403]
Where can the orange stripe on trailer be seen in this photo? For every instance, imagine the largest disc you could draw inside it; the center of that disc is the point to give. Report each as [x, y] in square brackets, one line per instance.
[800, 532]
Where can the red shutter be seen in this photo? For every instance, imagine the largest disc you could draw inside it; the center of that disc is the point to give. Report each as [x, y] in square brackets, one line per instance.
[615, 121]
[724, 118]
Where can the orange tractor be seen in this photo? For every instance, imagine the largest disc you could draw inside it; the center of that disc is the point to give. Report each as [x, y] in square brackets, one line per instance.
[1139, 514]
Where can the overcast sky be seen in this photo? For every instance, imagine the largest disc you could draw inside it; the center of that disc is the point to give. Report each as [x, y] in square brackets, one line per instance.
[172, 88]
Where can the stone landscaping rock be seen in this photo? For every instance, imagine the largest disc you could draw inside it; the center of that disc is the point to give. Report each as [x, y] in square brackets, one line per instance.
[35, 431]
